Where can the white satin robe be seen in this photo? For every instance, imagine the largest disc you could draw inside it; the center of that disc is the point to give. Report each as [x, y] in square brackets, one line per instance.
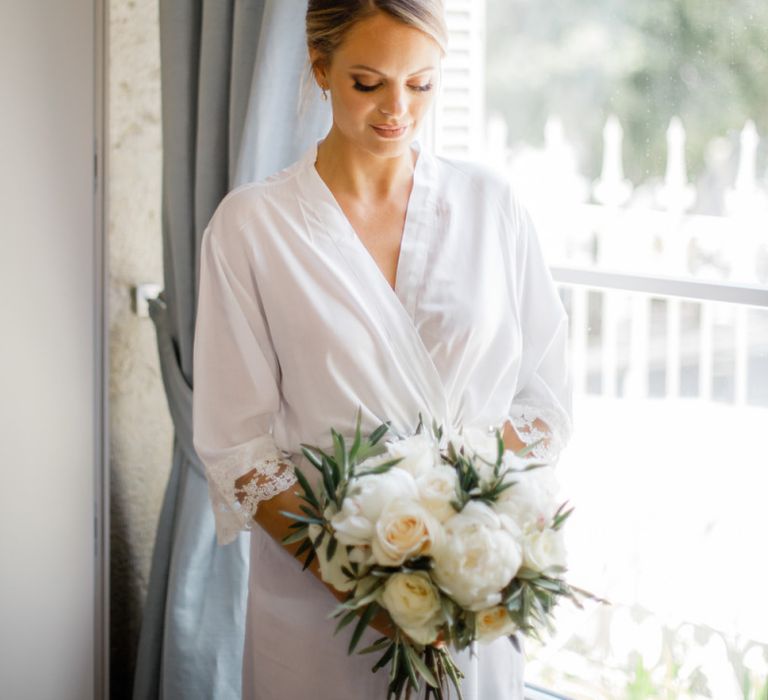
[297, 326]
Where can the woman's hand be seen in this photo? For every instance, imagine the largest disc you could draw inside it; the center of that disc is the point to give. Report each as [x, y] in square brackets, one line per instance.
[511, 439]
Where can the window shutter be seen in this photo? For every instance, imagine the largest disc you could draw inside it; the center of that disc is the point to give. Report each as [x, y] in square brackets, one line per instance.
[460, 107]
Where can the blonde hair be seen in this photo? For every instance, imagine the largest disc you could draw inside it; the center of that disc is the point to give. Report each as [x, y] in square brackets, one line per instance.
[329, 21]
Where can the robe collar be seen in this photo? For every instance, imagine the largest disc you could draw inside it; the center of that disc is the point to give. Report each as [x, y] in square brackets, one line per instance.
[397, 308]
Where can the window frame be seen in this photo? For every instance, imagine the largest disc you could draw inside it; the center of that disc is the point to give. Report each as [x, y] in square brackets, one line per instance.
[657, 285]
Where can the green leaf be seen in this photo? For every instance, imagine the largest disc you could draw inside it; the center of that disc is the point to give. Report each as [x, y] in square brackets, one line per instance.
[310, 452]
[396, 656]
[388, 654]
[332, 544]
[358, 435]
[364, 621]
[295, 537]
[340, 454]
[305, 545]
[413, 678]
[377, 434]
[345, 620]
[548, 585]
[310, 558]
[302, 518]
[454, 673]
[310, 512]
[527, 449]
[309, 494]
[526, 574]
[420, 666]
[561, 517]
[531, 467]
[328, 480]
[381, 468]
[376, 646]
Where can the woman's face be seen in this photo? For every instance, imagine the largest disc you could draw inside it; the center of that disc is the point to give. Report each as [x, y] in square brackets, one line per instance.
[383, 75]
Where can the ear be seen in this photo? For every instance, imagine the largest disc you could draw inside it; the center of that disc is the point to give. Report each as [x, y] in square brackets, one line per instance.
[319, 67]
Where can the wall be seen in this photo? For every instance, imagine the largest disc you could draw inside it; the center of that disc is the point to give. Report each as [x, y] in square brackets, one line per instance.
[50, 350]
[141, 431]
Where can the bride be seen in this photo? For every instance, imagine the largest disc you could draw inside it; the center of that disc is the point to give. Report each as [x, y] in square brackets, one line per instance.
[368, 273]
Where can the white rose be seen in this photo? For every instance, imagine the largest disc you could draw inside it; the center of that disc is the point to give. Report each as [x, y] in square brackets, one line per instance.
[478, 558]
[493, 623]
[419, 453]
[404, 529]
[437, 488]
[330, 571]
[544, 548]
[530, 501]
[414, 604]
[366, 499]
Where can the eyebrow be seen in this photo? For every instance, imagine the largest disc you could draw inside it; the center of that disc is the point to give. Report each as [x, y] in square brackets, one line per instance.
[373, 70]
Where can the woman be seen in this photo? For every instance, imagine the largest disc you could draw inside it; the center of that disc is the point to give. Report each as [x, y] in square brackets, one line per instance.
[368, 273]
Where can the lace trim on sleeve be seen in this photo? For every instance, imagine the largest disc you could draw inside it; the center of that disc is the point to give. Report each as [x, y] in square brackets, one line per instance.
[274, 473]
[553, 440]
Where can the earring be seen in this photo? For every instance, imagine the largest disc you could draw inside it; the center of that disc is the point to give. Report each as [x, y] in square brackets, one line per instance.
[325, 94]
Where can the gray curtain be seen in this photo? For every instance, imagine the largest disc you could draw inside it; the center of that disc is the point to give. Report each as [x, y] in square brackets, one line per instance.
[232, 76]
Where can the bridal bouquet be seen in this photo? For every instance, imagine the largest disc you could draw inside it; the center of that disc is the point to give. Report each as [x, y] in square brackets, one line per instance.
[457, 539]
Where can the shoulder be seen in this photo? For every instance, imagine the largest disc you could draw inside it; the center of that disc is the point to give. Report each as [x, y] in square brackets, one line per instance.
[257, 205]
[478, 184]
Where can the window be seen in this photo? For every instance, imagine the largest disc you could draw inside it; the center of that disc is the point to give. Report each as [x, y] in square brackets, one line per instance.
[646, 124]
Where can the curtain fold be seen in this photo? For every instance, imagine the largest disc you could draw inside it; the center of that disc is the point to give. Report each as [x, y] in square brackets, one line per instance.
[231, 77]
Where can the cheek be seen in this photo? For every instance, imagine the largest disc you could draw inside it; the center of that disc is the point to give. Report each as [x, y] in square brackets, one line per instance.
[355, 104]
[419, 106]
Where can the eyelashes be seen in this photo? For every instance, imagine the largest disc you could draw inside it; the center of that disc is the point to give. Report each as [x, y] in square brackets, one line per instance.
[370, 88]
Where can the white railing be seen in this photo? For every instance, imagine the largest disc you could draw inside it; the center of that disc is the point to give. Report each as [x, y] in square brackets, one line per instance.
[654, 240]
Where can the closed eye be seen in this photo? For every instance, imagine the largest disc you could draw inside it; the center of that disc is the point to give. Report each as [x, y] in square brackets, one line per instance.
[370, 88]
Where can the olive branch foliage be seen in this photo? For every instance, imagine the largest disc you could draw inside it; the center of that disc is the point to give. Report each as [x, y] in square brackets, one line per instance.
[529, 598]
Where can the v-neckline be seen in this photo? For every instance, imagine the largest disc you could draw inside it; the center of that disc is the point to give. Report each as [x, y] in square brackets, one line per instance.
[397, 307]
[414, 199]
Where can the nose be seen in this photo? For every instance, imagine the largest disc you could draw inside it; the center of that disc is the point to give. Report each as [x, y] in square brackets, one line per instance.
[393, 102]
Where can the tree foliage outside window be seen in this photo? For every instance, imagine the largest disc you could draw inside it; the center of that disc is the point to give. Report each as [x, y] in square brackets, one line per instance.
[705, 61]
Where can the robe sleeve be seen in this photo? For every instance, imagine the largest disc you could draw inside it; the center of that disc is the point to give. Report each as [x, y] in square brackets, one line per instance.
[236, 385]
[541, 408]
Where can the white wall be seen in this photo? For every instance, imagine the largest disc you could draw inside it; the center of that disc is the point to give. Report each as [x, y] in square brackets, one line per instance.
[49, 349]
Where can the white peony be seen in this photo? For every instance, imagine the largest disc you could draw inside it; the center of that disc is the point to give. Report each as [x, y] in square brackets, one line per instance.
[530, 501]
[437, 488]
[366, 499]
[405, 529]
[330, 571]
[419, 453]
[413, 603]
[543, 549]
[493, 623]
[479, 557]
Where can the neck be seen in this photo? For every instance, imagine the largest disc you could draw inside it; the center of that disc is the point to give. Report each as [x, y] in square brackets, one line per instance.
[349, 169]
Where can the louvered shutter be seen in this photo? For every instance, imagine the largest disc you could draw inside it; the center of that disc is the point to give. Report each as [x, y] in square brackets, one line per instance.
[457, 128]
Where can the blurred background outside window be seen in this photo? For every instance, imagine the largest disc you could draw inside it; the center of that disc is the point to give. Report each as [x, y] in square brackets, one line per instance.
[637, 135]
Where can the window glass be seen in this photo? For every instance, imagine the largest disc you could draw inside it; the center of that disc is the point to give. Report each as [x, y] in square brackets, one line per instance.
[645, 122]
[667, 471]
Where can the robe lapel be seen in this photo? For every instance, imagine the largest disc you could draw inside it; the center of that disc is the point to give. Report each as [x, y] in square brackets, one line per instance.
[395, 307]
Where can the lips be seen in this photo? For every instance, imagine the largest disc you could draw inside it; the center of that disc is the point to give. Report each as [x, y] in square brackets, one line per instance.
[387, 130]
